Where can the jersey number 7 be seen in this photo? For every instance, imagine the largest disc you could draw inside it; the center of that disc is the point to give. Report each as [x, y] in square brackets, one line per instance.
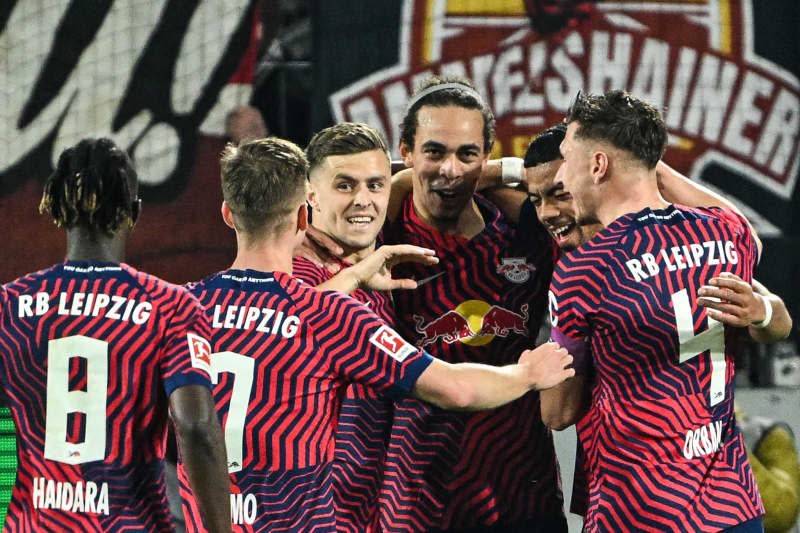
[242, 368]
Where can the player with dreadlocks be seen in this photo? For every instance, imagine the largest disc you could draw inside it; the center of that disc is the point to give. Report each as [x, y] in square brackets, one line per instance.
[94, 356]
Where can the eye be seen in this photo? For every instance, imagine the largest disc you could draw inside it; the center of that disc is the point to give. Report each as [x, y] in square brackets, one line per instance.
[434, 153]
[563, 197]
[375, 185]
[343, 186]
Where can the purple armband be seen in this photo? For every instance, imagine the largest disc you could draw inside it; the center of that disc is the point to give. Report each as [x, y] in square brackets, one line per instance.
[576, 348]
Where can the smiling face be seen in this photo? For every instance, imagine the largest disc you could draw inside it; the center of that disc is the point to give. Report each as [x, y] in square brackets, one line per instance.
[555, 208]
[448, 158]
[349, 195]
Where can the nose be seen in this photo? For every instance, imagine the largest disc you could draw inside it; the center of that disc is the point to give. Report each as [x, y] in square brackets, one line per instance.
[547, 210]
[451, 167]
[361, 197]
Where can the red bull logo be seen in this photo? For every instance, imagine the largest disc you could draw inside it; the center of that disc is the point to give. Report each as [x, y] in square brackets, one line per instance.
[473, 322]
[516, 269]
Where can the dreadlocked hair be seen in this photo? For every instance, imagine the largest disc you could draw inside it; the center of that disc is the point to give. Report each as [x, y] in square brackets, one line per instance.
[90, 187]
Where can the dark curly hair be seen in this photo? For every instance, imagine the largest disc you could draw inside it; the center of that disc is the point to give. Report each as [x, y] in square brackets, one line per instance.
[93, 185]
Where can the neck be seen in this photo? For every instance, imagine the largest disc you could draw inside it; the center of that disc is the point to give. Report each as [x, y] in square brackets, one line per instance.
[354, 255]
[264, 254]
[85, 244]
[639, 191]
[468, 223]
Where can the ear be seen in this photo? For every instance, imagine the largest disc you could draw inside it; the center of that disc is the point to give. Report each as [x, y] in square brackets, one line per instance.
[227, 215]
[599, 167]
[302, 218]
[311, 196]
[405, 153]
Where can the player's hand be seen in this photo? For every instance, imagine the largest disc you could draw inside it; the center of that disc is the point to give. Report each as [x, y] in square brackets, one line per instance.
[738, 304]
[375, 271]
[320, 249]
[547, 365]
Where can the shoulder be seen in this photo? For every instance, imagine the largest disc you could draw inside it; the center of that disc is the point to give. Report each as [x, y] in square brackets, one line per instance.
[169, 297]
[310, 273]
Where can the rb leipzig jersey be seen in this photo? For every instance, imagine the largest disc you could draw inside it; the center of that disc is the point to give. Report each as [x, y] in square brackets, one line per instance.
[665, 453]
[283, 356]
[365, 420]
[482, 303]
[89, 354]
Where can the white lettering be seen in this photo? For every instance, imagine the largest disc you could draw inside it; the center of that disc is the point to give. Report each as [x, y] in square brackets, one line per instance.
[745, 112]
[25, 306]
[635, 266]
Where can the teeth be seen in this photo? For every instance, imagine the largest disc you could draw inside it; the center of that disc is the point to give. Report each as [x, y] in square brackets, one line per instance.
[448, 194]
[359, 220]
[558, 232]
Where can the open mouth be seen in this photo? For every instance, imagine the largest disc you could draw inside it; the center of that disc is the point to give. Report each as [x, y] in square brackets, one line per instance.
[361, 220]
[445, 194]
[562, 231]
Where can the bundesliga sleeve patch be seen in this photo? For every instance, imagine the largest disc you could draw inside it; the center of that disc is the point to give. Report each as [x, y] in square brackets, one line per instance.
[392, 343]
[200, 350]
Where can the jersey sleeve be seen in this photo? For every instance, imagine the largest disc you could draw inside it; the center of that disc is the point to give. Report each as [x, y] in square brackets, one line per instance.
[364, 349]
[574, 296]
[186, 352]
[307, 271]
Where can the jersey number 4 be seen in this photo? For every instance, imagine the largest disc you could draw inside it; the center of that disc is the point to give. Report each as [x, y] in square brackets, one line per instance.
[691, 345]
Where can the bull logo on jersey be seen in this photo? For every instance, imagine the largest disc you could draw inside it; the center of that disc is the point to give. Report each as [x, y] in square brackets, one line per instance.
[515, 269]
[473, 322]
[723, 103]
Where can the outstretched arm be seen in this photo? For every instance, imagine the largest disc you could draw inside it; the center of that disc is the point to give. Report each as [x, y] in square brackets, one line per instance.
[507, 199]
[473, 387]
[203, 453]
[375, 271]
[734, 302]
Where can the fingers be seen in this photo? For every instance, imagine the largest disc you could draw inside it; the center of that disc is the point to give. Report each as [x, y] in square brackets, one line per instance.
[731, 282]
[723, 293]
[399, 250]
[324, 240]
[403, 283]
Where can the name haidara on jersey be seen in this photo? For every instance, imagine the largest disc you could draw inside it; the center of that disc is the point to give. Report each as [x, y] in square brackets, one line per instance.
[73, 497]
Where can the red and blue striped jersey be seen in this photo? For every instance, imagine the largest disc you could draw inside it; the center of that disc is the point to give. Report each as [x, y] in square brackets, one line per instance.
[283, 356]
[664, 451]
[89, 354]
[483, 303]
[365, 420]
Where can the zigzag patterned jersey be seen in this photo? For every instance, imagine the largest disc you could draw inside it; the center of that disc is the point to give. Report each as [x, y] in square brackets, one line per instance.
[89, 353]
[283, 356]
[662, 446]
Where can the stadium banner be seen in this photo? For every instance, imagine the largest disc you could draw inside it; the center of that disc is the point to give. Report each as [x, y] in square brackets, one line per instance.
[158, 78]
[730, 99]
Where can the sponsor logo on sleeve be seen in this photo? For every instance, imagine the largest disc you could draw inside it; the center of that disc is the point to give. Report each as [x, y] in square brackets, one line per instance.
[392, 343]
[200, 350]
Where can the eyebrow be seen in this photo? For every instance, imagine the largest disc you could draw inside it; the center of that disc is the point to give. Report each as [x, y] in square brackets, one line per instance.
[439, 146]
[348, 177]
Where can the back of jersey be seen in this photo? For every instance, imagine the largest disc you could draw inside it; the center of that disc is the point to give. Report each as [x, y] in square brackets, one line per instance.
[89, 353]
[664, 452]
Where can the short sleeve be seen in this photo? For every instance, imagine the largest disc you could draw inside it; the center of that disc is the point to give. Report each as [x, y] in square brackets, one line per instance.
[364, 349]
[186, 352]
[307, 271]
[574, 298]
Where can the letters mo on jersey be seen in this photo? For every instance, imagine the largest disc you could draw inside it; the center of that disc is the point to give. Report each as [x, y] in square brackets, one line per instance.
[722, 102]
[127, 75]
